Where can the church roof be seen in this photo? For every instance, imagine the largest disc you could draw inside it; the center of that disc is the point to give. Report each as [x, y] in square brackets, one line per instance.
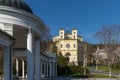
[20, 4]
[67, 32]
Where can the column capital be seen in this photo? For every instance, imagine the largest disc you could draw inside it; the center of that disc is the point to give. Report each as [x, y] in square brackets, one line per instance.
[29, 30]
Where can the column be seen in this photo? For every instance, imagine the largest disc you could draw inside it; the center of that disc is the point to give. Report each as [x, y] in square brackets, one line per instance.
[56, 68]
[37, 60]
[17, 68]
[23, 69]
[47, 69]
[30, 57]
[41, 69]
[50, 69]
[44, 70]
[53, 69]
[7, 63]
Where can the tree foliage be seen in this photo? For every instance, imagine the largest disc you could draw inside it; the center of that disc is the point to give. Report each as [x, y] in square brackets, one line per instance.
[110, 37]
[109, 34]
[62, 62]
[54, 48]
[45, 38]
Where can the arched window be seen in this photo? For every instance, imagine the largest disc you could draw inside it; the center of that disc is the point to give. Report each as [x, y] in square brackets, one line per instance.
[74, 36]
[61, 36]
[61, 46]
[67, 55]
[74, 46]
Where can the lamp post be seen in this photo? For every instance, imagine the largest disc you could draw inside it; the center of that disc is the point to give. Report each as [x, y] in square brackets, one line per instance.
[97, 52]
[84, 56]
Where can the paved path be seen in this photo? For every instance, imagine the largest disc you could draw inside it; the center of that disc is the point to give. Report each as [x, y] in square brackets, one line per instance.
[74, 78]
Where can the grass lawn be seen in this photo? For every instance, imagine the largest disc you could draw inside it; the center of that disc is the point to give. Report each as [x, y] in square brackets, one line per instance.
[116, 70]
[105, 69]
[102, 76]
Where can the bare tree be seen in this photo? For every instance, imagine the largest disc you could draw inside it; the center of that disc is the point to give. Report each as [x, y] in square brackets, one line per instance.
[110, 37]
[46, 39]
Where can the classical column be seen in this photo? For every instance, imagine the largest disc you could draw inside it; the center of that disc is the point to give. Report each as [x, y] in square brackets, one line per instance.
[50, 69]
[44, 69]
[41, 68]
[17, 68]
[23, 69]
[47, 69]
[37, 60]
[56, 68]
[7, 64]
[30, 56]
[53, 69]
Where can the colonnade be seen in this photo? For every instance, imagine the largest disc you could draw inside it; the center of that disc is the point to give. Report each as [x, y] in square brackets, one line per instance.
[38, 64]
[48, 69]
[6, 42]
[17, 61]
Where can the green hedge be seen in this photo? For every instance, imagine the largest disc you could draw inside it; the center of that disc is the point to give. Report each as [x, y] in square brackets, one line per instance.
[115, 66]
[1, 71]
[72, 70]
[78, 70]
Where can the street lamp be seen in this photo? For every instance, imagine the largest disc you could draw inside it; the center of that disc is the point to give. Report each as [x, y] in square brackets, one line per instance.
[84, 56]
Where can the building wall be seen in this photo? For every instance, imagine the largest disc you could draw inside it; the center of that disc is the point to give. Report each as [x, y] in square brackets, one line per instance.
[67, 44]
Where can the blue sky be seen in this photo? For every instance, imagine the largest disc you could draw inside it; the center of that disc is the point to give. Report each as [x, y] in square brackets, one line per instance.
[88, 16]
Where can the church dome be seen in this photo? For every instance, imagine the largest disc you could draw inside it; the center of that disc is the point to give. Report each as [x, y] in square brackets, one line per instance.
[20, 4]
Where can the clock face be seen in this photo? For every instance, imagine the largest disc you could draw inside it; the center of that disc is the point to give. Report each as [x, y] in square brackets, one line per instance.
[68, 45]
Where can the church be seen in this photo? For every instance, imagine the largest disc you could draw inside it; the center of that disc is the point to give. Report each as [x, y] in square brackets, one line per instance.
[20, 36]
[68, 44]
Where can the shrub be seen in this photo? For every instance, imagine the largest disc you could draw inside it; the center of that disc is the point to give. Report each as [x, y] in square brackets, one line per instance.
[115, 66]
[73, 69]
[62, 71]
[1, 71]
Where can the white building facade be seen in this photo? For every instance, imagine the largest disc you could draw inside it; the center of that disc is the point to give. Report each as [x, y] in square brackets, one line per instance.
[17, 19]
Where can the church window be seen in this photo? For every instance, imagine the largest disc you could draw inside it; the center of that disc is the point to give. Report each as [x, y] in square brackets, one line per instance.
[68, 45]
[61, 36]
[74, 46]
[67, 55]
[61, 46]
[74, 36]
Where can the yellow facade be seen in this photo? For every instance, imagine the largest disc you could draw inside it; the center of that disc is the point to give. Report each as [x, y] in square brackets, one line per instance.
[67, 44]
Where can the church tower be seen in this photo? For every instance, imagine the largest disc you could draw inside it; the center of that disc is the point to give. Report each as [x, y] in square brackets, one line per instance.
[61, 34]
[74, 34]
